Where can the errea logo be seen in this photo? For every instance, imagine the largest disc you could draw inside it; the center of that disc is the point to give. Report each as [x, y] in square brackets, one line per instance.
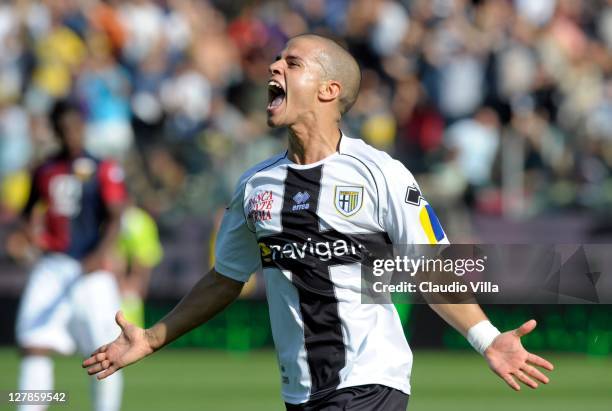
[301, 201]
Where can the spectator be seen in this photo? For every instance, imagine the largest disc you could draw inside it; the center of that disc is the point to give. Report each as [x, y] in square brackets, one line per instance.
[187, 80]
[103, 89]
[475, 142]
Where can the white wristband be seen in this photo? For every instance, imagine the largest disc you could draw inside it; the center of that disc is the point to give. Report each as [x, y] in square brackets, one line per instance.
[481, 335]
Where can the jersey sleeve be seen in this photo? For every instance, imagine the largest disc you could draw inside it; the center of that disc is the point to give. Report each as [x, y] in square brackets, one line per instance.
[112, 183]
[236, 250]
[409, 218]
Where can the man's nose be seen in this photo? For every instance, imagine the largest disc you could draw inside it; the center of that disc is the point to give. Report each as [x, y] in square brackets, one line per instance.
[274, 68]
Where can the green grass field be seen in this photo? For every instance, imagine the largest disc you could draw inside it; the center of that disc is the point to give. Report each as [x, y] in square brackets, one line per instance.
[185, 380]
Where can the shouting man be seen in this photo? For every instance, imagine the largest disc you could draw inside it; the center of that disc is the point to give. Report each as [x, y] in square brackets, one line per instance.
[304, 216]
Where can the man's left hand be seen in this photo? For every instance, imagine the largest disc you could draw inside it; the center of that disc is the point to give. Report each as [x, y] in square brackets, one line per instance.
[508, 359]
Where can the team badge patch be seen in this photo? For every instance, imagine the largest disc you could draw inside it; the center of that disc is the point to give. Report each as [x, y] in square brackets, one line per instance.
[348, 200]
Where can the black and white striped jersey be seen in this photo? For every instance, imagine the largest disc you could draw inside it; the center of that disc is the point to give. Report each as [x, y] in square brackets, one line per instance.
[306, 225]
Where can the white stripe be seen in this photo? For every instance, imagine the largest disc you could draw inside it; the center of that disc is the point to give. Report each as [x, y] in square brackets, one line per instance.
[288, 333]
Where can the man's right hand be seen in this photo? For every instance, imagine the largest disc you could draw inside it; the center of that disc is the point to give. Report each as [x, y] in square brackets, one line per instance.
[131, 346]
[208, 296]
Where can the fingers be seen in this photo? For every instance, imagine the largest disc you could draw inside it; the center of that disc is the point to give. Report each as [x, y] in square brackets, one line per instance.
[540, 362]
[120, 320]
[525, 379]
[525, 328]
[96, 368]
[99, 364]
[510, 381]
[95, 358]
[99, 350]
[535, 373]
[108, 372]
[89, 362]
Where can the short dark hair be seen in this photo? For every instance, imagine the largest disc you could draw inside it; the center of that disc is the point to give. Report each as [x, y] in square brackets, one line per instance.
[338, 64]
[59, 110]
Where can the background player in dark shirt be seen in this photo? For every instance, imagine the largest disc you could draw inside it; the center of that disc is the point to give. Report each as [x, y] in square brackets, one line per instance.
[73, 218]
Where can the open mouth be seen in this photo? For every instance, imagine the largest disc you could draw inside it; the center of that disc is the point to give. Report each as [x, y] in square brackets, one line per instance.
[276, 94]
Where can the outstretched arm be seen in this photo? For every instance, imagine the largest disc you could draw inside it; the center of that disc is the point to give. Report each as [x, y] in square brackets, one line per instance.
[208, 297]
[504, 352]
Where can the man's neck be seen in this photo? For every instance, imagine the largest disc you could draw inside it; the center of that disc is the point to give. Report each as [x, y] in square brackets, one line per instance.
[309, 144]
[70, 154]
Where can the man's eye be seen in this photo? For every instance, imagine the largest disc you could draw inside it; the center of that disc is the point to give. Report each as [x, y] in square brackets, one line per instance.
[293, 64]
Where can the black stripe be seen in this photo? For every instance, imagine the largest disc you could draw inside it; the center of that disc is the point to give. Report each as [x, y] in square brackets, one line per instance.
[308, 254]
[325, 350]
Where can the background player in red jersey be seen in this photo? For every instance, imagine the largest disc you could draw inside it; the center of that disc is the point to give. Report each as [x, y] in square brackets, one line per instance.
[73, 217]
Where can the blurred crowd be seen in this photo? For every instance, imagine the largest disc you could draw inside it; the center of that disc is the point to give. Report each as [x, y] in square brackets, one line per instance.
[501, 107]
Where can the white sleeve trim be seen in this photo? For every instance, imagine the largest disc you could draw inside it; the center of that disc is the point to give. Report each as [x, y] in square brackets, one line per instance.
[228, 272]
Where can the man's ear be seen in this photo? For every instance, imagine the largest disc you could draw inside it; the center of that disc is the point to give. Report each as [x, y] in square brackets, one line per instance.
[329, 90]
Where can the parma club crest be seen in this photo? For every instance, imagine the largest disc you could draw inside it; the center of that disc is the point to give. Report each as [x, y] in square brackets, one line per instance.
[348, 199]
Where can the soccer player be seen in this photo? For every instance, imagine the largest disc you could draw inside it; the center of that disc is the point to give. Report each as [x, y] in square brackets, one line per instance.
[303, 216]
[73, 216]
